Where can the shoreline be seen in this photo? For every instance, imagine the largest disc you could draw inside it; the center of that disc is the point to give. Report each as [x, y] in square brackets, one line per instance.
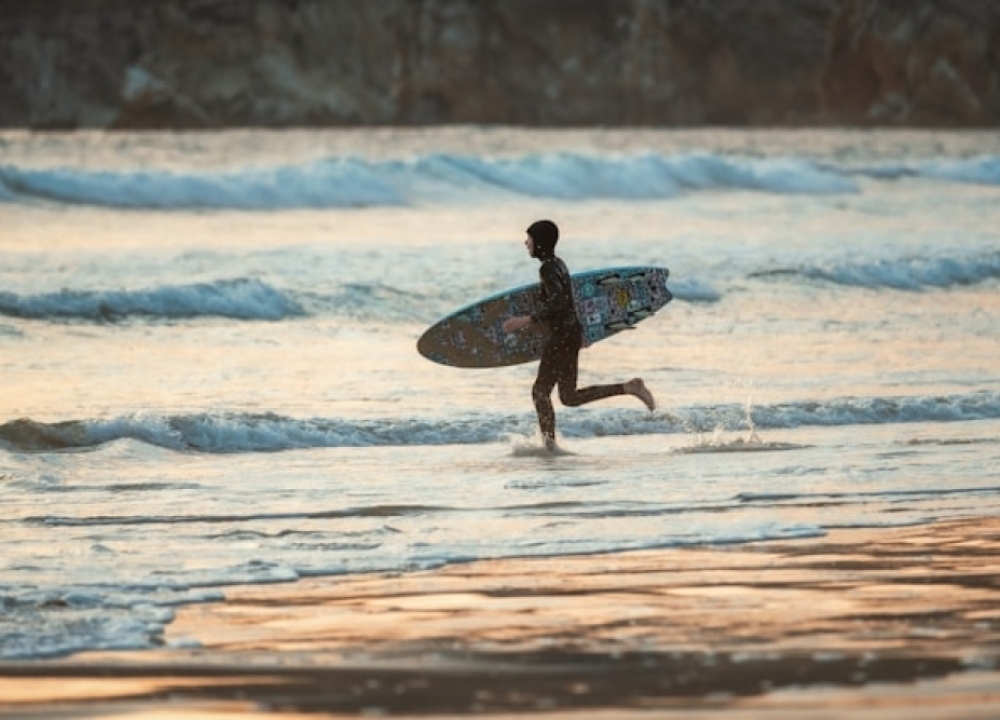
[905, 621]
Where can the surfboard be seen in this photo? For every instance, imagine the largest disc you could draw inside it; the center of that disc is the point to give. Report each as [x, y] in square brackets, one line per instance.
[607, 302]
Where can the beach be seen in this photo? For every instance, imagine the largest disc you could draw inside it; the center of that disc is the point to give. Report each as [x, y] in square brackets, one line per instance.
[901, 623]
[231, 484]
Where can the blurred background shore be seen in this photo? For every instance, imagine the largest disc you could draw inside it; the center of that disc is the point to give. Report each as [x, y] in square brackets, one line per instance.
[68, 64]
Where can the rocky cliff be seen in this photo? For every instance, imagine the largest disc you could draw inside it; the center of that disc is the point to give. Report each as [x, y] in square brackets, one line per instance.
[210, 63]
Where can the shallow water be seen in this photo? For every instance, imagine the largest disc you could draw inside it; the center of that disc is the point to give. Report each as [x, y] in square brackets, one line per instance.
[210, 375]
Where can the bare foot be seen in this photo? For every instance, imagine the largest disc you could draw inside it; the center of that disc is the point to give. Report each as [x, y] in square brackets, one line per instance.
[637, 387]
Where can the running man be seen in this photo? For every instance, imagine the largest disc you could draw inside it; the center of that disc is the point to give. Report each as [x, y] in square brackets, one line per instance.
[560, 356]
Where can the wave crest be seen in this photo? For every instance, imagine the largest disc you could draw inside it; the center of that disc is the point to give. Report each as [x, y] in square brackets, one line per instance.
[346, 181]
[240, 299]
[899, 273]
[268, 432]
[343, 182]
[982, 170]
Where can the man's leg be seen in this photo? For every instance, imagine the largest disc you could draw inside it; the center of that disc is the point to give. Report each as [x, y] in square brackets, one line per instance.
[541, 393]
[572, 396]
[569, 367]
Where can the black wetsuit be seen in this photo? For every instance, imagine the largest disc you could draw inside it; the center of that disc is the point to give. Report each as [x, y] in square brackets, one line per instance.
[559, 363]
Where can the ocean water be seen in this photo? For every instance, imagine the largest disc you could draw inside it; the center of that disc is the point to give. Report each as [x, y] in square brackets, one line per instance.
[208, 371]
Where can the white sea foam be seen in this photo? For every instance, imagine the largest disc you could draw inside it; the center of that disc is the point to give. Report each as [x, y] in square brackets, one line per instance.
[51, 622]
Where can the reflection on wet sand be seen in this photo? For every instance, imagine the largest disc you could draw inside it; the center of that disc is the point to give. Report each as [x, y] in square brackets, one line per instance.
[838, 625]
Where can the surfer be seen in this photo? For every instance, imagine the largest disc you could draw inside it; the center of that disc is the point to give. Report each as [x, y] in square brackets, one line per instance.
[559, 363]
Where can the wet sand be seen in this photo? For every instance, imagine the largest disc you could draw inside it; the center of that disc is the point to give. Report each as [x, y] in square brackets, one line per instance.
[892, 623]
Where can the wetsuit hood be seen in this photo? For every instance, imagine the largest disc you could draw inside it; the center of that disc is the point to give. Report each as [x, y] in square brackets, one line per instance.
[545, 235]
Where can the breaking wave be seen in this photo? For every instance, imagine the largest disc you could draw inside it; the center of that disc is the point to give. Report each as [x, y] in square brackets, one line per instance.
[694, 291]
[347, 182]
[241, 299]
[332, 183]
[898, 273]
[268, 432]
[254, 299]
[982, 170]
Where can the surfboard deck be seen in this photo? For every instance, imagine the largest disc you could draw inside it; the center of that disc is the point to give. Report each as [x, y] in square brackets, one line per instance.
[607, 302]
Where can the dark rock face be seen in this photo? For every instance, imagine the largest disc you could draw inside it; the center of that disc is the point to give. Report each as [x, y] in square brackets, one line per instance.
[214, 63]
[926, 63]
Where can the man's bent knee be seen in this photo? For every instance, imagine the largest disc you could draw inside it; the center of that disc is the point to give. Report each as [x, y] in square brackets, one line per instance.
[569, 398]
